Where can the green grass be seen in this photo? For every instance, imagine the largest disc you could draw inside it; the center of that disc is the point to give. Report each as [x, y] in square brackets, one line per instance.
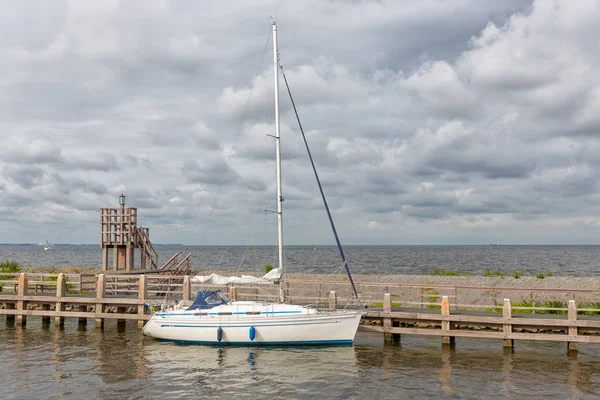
[546, 304]
[10, 267]
[515, 274]
[432, 298]
[268, 268]
[489, 273]
[447, 272]
[380, 304]
[590, 305]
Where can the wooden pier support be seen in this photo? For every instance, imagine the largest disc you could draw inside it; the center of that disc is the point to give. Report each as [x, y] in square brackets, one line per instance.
[142, 292]
[187, 288]
[233, 293]
[45, 319]
[100, 292]
[446, 325]
[388, 337]
[121, 310]
[104, 259]
[21, 304]
[115, 259]
[10, 318]
[507, 327]
[82, 320]
[129, 259]
[61, 289]
[332, 300]
[572, 317]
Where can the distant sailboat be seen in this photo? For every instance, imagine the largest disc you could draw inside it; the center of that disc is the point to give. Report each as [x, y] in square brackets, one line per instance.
[47, 246]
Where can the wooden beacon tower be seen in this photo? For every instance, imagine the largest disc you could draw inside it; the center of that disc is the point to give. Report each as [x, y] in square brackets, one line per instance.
[119, 231]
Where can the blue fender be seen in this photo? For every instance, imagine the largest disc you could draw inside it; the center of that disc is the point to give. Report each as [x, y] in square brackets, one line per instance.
[252, 333]
[219, 334]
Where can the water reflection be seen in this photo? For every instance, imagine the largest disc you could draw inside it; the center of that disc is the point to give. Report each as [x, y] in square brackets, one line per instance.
[251, 361]
[41, 362]
[446, 372]
[507, 368]
[118, 353]
[229, 371]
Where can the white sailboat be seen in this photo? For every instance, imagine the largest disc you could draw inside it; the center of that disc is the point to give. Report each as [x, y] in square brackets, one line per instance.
[47, 246]
[213, 319]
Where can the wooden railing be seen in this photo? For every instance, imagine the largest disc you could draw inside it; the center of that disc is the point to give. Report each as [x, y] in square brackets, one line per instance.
[176, 267]
[570, 328]
[304, 291]
[446, 311]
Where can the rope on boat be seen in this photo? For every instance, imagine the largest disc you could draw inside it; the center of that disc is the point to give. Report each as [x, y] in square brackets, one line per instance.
[235, 142]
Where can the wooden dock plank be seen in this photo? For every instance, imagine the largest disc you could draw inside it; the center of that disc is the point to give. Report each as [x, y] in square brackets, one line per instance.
[484, 334]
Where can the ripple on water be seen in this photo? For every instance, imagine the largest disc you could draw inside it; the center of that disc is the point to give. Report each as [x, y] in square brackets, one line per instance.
[119, 363]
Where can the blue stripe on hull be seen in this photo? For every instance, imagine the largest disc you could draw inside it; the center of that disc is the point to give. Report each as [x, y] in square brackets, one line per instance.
[255, 344]
[243, 326]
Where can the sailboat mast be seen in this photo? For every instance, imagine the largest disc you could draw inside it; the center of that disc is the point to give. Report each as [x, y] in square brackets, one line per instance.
[278, 163]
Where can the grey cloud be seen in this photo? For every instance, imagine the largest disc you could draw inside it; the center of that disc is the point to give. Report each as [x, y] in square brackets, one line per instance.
[425, 115]
[99, 162]
[25, 176]
[143, 161]
[210, 172]
[40, 153]
[71, 184]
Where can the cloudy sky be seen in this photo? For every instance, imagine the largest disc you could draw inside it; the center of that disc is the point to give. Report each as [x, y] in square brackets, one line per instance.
[431, 122]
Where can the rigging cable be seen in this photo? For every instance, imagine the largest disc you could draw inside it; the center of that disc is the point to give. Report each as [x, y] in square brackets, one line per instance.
[337, 240]
[235, 142]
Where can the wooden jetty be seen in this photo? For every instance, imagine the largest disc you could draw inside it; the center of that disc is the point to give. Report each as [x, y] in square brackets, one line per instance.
[392, 309]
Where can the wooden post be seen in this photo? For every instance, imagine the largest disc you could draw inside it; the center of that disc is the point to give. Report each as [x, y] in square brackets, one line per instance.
[142, 291]
[572, 316]
[128, 258]
[61, 289]
[446, 340]
[22, 304]
[104, 259]
[121, 310]
[233, 293]
[10, 318]
[332, 300]
[83, 320]
[187, 288]
[122, 251]
[100, 291]
[387, 318]
[507, 327]
[45, 319]
[115, 258]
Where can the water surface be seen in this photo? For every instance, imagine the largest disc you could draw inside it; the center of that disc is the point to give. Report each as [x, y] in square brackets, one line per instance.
[40, 361]
[559, 260]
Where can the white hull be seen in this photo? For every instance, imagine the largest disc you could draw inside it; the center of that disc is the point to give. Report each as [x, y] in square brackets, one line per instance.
[272, 324]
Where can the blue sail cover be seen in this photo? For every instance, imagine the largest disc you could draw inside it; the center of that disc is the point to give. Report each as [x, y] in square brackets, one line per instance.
[206, 299]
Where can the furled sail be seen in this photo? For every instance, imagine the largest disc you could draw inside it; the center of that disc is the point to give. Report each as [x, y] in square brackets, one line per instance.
[271, 277]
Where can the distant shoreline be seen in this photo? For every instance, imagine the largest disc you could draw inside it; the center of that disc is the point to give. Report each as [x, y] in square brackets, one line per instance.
[320, 245]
